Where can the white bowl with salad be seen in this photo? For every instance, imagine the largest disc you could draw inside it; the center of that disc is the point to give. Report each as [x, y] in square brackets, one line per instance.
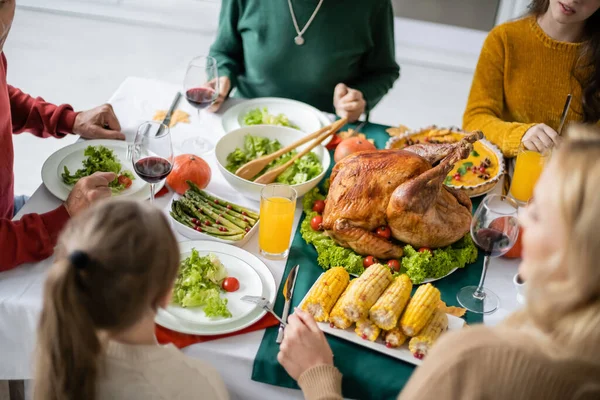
[248, 143]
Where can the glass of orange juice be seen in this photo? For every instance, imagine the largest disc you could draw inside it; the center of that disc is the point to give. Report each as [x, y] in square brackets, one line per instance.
[529, 167]
[277, 206]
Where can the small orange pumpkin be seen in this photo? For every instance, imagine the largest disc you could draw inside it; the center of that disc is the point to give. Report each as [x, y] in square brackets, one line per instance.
[188, 167]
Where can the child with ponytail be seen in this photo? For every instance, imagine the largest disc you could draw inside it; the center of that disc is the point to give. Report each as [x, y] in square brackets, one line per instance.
[115, 266]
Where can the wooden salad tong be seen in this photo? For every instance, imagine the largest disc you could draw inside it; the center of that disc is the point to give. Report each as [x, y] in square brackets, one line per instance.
[252, 168]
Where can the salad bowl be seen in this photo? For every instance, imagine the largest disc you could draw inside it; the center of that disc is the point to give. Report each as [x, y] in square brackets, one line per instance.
[236, 138]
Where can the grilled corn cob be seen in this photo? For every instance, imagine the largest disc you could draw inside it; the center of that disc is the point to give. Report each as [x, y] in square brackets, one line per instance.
[387, 310]
[420, 309]
[336, 316]
[365, 292]
[420, 344]
[394, 337]
[367, 330]
[325, 292]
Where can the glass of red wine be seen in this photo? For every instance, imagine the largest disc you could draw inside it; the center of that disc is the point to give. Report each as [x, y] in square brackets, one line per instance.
[201, 88]
[152, 154]
[494, 230]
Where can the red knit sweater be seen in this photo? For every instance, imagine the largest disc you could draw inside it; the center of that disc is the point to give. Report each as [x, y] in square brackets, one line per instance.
[33, 237]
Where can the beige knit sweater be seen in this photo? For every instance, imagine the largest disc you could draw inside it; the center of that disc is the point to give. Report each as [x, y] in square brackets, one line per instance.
[483, 363]
[148, 372]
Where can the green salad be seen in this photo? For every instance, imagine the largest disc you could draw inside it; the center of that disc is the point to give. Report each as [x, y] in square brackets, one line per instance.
[303, 169]
[199, 284]
[417, 265]
[261, 116]
[100, 159]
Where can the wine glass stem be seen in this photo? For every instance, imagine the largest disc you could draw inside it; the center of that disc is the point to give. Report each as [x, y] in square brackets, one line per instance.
[479, 293]
[152, 193]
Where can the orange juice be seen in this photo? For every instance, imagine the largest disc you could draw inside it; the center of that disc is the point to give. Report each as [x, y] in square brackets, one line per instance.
[276, 221]
[528, 169]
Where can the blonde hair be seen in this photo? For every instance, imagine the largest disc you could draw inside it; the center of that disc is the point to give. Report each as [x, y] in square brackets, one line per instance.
[113, 263]
[563, 297]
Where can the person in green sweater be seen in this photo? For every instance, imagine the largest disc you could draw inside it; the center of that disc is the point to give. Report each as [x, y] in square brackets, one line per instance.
[337, 56]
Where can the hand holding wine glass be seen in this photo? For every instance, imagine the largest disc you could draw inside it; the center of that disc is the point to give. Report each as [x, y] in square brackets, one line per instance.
[152, 153]
[494, 230]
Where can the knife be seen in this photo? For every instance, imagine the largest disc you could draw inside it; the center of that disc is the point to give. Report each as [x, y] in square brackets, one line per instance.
[288, 292]
[167, 120]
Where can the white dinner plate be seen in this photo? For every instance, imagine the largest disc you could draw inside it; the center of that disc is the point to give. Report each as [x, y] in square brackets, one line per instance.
[255, 280]
[307, 118]
[72, 157]
[401, 353]
[429, 280]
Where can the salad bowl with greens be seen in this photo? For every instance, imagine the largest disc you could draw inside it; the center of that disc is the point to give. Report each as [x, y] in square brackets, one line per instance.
[249, 143]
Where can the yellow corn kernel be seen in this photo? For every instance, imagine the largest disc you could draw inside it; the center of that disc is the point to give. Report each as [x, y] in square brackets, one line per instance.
[336, 316]
[422, 343]
[367, 330]
[387, 310]
[325, 292]
[420, 309]
[365, 292]
[394, 337]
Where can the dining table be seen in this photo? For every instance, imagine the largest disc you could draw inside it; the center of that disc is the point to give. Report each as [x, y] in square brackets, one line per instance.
[135, 101]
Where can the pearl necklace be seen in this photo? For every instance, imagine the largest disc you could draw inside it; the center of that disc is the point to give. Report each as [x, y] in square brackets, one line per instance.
[299, 40]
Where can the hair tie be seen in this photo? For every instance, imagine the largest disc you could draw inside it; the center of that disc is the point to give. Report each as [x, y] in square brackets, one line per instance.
[79, 259]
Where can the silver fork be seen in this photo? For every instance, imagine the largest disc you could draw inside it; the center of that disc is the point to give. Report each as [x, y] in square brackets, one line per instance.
[264, 304]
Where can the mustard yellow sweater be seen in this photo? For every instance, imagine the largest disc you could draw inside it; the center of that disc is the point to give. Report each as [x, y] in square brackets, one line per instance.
[522, 79]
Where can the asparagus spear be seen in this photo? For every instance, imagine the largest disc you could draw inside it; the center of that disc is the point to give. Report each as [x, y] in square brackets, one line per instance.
[238, 221]
[205, 228]
[210, 213]
[236, 214]
[215, 200]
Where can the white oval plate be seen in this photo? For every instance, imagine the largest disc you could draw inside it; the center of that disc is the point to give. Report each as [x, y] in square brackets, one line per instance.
[429, 280]
[72, 156]
[307, 118]
[197, 325]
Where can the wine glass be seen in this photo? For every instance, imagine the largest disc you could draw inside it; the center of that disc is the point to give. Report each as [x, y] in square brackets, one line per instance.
[201, 88]
[152, 154]
[494, 230]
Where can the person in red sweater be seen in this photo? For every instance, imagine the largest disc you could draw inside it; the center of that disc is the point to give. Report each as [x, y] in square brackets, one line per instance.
[33, 237]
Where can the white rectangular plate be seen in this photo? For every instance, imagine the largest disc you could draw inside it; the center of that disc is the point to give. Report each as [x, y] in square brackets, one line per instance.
[401, 353]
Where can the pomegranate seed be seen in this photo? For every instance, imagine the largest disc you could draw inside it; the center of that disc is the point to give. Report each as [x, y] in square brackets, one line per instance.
[218, 222]
[364, 336]
[207, 223]
[198, 229]
[245, 219]
[216, 201]
[244, 213]
[331, 325]
[388, 345]
[225, 230]
[229, 206]
[482, 169]
[419, 356]
[194, 221]
[247, 230]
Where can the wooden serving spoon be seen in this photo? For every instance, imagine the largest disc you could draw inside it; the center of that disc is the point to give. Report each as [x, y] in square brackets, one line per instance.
[252, 168]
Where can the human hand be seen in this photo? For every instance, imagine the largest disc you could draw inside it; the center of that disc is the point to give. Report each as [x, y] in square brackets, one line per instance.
[224, 88]
[98, 123]
[348, 102]
[89, 190]
[540, 137]
[304, 345]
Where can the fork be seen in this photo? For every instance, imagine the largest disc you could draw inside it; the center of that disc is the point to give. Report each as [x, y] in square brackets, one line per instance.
[264, 304]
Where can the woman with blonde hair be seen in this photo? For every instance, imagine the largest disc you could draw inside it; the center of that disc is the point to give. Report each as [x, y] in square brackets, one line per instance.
[551, 348]
[115, 266]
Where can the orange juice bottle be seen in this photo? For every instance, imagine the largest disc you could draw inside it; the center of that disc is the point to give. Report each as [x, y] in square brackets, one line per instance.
[528, 169]
[276, 221]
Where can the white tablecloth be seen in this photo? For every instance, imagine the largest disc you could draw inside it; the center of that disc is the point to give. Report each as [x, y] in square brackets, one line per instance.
[135, 101]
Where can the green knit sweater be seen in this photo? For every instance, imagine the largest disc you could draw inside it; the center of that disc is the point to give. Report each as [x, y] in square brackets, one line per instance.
[349, 41]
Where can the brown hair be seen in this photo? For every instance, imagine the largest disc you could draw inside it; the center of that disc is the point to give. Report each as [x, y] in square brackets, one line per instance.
[587, 69]
[113, 263]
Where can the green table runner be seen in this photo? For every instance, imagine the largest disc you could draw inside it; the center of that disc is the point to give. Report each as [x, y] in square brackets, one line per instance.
[367, 374]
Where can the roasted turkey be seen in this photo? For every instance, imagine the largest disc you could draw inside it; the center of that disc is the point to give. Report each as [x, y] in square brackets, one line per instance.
[403, 189]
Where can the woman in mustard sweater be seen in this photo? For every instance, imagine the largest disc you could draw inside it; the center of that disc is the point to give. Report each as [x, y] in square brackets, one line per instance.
[528, 67]
[549, 350]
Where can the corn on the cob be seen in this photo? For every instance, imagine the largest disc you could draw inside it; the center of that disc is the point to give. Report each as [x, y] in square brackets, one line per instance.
[367, 330]
[422, 343]
[420, 309]
[336, 316]
[394, 337]
[325, 292]
[387, 310]
[365, 292]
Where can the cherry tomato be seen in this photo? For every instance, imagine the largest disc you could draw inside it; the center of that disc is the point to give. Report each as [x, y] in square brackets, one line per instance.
[369, 260]
[424, 249]
[394, 265]
[319, 206]
[316, 223]
[230, 284]
[125, 181]
[384, 231]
